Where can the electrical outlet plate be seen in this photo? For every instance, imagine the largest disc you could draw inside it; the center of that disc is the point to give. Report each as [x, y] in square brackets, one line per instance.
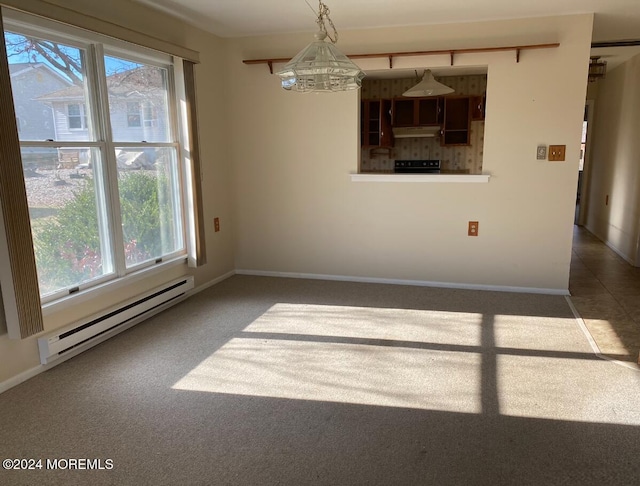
[473, 228]
[541, 154]
[557, 153]
[216, 224]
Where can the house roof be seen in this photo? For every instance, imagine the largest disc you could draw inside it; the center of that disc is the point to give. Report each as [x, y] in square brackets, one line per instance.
[24, 68]
[18, 68]
[131, 84]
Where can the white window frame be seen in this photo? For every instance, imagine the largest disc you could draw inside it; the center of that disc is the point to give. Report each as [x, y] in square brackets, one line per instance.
[97, 46]
[82, 115]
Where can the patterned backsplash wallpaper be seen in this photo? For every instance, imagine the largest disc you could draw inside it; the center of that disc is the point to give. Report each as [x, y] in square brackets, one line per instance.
[459, 158]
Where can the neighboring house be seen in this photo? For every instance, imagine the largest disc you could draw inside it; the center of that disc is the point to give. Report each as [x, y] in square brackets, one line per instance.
[29, 81]
[50, 107]
[137, 102]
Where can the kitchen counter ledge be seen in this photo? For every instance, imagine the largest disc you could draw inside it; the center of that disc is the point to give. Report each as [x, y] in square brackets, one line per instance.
[442, 177]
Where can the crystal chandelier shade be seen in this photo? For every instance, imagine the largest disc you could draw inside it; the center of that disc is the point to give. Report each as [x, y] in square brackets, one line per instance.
[321, 67]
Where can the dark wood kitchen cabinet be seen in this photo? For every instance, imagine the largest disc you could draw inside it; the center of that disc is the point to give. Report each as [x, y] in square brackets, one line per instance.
[417, 112]
[477, 108]
[375, 123]
[457, 120]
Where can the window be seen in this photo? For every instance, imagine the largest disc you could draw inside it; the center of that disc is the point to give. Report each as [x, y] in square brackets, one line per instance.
[76, 119]
[105, 194]
[150, 115]
[133, 114]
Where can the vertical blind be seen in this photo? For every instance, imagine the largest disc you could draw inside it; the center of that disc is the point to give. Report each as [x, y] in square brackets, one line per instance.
[18, 279]
[196, 170]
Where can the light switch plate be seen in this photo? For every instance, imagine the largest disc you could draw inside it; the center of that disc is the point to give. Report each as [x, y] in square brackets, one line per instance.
[541, 154]
[557, 152]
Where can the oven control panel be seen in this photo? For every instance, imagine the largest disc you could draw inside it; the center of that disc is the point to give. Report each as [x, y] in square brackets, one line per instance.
[417, 166]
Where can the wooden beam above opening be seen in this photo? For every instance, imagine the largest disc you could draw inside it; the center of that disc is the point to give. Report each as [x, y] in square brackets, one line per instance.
[390, 55]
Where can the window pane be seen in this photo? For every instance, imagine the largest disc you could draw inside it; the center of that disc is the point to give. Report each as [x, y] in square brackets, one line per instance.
[137, 90]
[150, 203]
[75, 117]
[49, 89]
[133, 114]
[69, 231]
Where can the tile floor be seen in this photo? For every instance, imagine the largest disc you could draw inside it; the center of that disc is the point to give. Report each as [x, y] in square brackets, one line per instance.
[605, 290]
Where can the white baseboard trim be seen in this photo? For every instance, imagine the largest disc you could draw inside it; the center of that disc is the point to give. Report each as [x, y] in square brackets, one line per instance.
[612, 247]
[211, 283]
[21, 378]
[391, 281]
[620, 254]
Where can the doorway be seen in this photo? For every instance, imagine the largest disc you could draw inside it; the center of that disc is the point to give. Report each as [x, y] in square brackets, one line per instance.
[583, 168]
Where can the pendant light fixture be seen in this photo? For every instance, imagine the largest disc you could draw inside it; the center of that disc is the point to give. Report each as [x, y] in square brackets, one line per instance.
[428, 86]
[321, 67]
[597, 69]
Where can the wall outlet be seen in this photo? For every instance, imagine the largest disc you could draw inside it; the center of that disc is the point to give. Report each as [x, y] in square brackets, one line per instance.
[557, 153]
[473, 228]
[216, 224]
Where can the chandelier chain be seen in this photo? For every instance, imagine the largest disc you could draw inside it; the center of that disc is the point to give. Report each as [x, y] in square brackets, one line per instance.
[323, 13]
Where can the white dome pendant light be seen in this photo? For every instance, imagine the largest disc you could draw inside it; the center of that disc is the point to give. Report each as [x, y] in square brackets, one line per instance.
[428, 86]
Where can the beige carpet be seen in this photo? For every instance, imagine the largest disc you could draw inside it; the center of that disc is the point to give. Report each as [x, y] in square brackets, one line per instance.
[282, 381]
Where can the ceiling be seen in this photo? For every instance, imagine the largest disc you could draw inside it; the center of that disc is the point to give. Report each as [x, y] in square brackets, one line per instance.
[614, 19]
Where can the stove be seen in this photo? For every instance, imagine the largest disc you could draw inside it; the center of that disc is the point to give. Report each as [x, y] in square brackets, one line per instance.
[417, 167]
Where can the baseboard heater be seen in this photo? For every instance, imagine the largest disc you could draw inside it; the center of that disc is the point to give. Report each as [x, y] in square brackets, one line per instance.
[81, 335]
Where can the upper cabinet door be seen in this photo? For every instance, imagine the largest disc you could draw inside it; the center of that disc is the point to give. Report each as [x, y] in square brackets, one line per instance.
[457, 121]
[403, 112]
[375, 123]
[416, 112]
[428, 111]
[477, 108]
[386, 132]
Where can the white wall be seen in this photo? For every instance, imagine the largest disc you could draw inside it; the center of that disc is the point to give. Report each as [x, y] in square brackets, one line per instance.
[276, 165]
[21, 356]
[615, 156]
[297, 210]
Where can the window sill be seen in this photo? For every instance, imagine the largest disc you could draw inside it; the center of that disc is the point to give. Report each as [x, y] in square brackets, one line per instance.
[468, 178]
[117, 283]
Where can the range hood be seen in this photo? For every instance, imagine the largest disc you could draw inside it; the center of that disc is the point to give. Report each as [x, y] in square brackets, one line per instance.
[411, 132]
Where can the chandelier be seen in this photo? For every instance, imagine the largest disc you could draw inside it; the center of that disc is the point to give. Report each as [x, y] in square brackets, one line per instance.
[321, 67]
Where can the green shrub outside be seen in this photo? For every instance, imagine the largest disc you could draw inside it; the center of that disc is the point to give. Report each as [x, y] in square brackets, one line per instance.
[67, 247]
